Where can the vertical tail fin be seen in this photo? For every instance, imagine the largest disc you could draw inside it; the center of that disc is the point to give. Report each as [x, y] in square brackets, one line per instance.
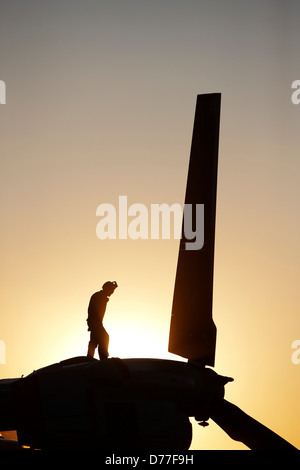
[192, 330]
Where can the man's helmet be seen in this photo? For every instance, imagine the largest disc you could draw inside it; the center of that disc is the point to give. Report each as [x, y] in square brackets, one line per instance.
[110, 285]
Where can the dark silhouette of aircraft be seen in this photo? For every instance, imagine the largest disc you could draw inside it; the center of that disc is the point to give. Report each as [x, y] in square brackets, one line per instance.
[145, 404]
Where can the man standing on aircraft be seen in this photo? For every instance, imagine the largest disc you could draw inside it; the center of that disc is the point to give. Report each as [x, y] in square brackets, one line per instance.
[96, 310]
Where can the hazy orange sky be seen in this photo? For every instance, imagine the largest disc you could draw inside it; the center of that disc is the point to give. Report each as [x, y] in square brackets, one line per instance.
[100, 100]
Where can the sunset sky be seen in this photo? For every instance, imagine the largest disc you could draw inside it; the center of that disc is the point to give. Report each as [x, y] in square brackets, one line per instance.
[100, 101]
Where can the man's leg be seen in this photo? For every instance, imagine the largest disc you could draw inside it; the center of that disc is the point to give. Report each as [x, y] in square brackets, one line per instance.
[91, 348]
[103, 345]
[103, 353]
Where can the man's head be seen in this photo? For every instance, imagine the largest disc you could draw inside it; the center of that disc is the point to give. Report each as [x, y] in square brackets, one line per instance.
[109, 287]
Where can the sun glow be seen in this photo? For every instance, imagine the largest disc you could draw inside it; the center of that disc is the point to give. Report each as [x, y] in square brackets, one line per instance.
[131, 336]
[138, 341]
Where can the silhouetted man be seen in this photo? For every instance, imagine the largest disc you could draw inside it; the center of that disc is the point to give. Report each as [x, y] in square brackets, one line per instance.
[96, 310]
